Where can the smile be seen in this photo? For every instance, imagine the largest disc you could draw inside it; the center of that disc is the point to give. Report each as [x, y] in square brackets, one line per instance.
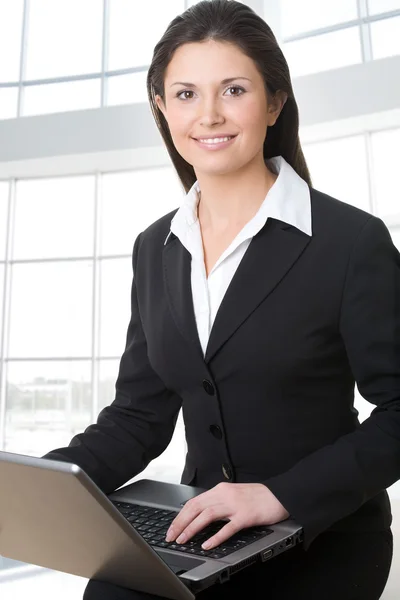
[216, 143]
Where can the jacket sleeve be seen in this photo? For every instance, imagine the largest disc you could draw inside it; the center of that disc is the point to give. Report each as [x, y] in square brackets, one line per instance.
[139, 423]
[334, 481]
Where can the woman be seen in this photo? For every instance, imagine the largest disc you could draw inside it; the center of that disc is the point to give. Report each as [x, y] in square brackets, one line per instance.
[302, 292]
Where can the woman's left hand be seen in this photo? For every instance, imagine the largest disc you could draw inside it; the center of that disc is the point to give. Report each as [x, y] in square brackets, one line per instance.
[245, 504]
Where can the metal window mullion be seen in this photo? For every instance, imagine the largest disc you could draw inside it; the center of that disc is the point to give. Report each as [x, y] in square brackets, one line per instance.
[365, 30]
[104, 56]
[342, 25]
[23, 55]
[4, 342]
[46, 358]
[82, 77]
[373, 199]
[96, 298]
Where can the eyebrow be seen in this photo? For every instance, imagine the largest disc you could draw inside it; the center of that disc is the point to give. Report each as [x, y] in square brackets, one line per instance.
[224, 81]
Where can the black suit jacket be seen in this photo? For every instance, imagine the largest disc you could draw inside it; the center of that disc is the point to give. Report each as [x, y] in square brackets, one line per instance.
[272, 400]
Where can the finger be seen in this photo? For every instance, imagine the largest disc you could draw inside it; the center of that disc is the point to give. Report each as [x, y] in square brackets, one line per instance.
[189, 512]
[222, 535]
[207, 516]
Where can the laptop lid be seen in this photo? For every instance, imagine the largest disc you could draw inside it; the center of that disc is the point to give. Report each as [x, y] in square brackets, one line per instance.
[53, 515]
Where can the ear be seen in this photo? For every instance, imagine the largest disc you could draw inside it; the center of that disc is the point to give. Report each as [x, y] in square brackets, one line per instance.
[276, 104]
[160, 104]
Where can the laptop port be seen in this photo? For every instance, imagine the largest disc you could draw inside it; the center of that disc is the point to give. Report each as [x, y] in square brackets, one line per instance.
[267, 554]
[224, 576]
[289, 542]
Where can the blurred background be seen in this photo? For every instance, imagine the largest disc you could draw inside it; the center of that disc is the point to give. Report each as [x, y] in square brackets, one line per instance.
[81, 169]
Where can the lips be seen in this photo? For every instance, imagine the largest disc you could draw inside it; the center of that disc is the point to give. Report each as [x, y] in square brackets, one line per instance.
[213, 137]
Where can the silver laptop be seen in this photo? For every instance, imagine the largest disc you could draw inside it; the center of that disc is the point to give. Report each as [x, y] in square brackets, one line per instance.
[53, 515]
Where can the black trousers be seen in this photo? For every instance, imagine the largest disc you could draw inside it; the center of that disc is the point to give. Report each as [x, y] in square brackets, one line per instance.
[337, 566]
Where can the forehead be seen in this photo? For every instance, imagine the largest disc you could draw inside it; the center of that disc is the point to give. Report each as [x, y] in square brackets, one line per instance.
[201, 60]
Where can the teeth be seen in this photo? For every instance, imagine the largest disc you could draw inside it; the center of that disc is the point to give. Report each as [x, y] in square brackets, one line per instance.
[215, 140]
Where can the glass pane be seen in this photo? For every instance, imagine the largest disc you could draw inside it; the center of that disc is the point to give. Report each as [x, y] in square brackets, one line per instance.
[115, 304]
[51, 309]
[64, 38]
[385, 150]
[385, 37]
[54, 218]
[108, 373]
[323, 52]
[8, 103]
[127, 89]
[299, 17]
[4, 187]
[380, 6]
[349, 181]
[1, 297]
[132, 201]
[136, 27]
[11, 16]
[395, 233]
[362, 405]
[168, 466]
[47, 403]
[61, 97]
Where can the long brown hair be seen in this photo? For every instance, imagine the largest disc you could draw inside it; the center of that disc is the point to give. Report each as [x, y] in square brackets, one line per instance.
[234, 22]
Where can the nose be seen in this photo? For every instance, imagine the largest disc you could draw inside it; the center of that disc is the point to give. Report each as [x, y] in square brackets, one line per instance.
[210, 112]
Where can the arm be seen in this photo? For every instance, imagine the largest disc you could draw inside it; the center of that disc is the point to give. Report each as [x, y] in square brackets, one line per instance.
[337, 479]
[137, 426]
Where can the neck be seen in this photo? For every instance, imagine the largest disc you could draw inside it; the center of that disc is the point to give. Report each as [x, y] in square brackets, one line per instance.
[224, 204]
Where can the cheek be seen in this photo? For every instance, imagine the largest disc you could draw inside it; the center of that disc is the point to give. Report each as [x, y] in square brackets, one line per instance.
[179, 122]
[253, 118]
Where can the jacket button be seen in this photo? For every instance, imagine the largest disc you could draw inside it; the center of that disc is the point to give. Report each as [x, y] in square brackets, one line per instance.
[227, 471]
[208, 386]
[216, 431]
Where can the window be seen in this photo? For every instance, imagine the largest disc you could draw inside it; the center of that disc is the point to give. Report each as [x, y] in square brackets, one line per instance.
[125, 89]
[339, 168]
[380, 6]
[135, 27]
[51, 309]
[115, 304]
[1, 298]
[385, 36]
[299, 17]
[4, 187]
[64, 330]
[8, 102]
[323, 52]
[64, 38]
[385, 145]
[60, 97]
[47, 403]
[10, 39]
[54, 218]
[395, 233]
[123, 198]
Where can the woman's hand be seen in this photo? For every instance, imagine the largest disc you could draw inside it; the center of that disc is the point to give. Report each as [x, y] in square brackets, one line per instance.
[245, 504]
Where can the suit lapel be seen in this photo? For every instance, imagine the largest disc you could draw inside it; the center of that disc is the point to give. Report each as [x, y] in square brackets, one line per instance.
[177, 263]
[268, 258]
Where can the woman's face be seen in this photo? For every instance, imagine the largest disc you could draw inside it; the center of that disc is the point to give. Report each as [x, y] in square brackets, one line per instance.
[207, 107]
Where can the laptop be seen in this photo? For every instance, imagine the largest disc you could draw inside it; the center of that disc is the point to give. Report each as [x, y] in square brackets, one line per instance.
[53, 515]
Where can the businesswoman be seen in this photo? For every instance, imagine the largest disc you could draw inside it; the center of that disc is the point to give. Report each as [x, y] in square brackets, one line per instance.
[256, 306]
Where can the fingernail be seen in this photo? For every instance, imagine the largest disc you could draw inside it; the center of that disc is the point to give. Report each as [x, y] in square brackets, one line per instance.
[170, 535]
[181, 539]
[206, 545]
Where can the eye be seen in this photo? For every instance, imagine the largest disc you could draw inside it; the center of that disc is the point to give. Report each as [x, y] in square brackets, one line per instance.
[231, 87]
[236, 87]
[183, 92]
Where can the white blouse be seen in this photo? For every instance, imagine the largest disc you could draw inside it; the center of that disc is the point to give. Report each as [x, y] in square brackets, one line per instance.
[287, 200]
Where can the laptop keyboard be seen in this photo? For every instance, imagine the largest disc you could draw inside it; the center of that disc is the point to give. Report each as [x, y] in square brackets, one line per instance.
[153, 523]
